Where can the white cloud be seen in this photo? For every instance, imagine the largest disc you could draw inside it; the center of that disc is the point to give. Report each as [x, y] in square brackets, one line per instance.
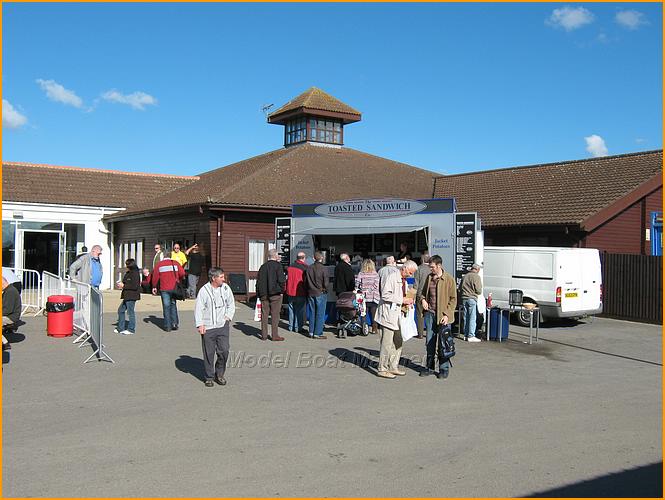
[10, 117]
[137, 100]
[58, 93]
[640, 140]
[630, 19]
[595, 145]
[570, 18]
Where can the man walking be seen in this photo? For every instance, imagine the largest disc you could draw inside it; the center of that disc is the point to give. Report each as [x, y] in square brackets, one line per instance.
[296, 292]
[392, 290]
[317, 295]
[471, 288]
[165, 277]
[438, 297]
[270, 282]
[213, 314]
[419, 279]
[88, 268]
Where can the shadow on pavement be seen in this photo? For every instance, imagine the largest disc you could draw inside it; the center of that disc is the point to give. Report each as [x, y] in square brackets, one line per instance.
[641, 482]
[154, 320]
[249, 330]
[193, 366]
[356, 358]
[405, 362]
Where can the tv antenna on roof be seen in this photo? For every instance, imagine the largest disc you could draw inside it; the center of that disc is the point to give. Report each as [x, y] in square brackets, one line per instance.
[265, 108]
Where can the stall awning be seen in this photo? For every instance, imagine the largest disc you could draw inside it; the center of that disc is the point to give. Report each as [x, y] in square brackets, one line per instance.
[359, 230]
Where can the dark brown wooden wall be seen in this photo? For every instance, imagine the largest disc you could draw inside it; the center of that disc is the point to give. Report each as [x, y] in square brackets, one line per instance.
[626, 233]
[621, 234]
[188, 226]
[235, 243]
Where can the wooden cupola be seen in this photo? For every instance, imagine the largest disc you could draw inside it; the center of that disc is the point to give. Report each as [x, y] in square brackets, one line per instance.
[314, 116]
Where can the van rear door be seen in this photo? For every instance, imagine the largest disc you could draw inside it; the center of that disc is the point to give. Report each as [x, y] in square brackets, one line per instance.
[592, 278]
[569, 264]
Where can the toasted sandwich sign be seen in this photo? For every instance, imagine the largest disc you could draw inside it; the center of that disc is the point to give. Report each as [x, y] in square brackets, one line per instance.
[370, 209]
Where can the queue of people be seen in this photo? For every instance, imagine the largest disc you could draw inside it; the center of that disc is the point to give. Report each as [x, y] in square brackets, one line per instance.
[387, 296]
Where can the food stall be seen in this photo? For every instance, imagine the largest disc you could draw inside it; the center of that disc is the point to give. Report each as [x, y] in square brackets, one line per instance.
[375, 228]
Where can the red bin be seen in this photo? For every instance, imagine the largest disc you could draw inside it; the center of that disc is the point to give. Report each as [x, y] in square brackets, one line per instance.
[60, 316]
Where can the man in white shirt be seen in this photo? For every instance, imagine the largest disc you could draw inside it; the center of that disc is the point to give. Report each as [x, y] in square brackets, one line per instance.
[215, 307]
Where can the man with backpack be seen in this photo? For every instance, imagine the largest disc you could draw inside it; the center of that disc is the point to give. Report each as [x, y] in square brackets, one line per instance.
[438, 298]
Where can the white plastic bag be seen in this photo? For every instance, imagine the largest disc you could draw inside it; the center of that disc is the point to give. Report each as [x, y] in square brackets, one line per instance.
[257, 310]
[407, 324]
[480, 304]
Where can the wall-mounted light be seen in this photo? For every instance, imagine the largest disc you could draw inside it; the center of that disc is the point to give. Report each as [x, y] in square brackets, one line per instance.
[17, 215]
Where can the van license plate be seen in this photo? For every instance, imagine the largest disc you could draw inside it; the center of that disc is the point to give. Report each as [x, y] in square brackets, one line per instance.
[571, 295]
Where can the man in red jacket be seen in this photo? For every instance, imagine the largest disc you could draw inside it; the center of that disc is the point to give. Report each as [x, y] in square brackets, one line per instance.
[165, 276]
[296, 293]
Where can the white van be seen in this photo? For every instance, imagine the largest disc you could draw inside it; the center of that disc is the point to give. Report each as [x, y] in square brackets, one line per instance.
[563, 282]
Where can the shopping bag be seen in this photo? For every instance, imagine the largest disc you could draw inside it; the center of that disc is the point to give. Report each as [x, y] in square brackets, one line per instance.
[407, 324]
[257, 310]
[480, 304]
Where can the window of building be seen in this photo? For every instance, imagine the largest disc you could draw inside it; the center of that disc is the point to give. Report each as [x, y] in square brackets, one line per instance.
[8, 239]
[325, 131]
[128, 250]
[258, 254]
[295, 131]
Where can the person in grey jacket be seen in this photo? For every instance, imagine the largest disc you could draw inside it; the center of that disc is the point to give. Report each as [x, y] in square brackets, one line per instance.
[392, 295]
[214, 310]
[88, 268]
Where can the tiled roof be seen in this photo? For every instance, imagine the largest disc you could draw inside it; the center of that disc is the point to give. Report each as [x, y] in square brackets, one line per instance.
[32, 183]
[556, 193]
[315, 99]
[300, 174]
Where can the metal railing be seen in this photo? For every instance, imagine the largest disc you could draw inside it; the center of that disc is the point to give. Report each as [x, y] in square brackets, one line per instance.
[88, 311]
[32, 298]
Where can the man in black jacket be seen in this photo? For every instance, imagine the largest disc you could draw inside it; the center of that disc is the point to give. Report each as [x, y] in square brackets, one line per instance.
[344, 278]
[269, 288]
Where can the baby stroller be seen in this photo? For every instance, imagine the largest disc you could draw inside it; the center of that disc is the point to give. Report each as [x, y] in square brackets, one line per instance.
[351, 311]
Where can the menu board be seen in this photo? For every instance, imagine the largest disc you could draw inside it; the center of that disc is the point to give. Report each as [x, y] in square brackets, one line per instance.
[384, 243]
[283, 239]
[465, 244]
[362, 244]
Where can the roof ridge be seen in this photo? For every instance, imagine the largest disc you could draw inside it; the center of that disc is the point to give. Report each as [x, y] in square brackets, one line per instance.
[96, 170]
[567, 162]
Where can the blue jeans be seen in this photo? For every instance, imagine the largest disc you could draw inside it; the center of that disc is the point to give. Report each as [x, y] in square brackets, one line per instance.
[296, 312]
[169, 309]
[318, 305]
[435, 336]
[469, 317]
[127, 305]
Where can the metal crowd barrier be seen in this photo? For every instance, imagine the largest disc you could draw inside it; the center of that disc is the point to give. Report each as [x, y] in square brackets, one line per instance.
[88, 311]
[51, 285]
[31, 291]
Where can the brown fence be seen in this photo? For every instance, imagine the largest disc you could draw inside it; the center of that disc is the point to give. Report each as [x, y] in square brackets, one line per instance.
[633, 287]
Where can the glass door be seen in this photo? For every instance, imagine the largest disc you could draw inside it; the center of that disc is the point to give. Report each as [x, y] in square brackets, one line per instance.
[41, 250]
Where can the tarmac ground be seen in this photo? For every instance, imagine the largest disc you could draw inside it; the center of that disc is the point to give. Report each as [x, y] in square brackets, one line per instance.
[577, 414]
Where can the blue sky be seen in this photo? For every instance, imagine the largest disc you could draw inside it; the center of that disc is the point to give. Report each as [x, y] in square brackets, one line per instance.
[178, 88]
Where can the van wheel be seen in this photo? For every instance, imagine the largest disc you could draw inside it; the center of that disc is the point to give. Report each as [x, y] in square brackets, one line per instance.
[523, 318]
